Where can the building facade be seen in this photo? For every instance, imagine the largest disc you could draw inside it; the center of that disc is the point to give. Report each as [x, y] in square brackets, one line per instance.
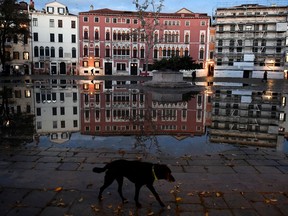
[109, 44]
[251, 39]
[55, 52]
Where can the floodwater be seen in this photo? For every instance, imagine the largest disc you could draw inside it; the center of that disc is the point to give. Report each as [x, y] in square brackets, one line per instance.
[202, 118]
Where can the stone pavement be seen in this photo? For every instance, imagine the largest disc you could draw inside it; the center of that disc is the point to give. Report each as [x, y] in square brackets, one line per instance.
[58, 180]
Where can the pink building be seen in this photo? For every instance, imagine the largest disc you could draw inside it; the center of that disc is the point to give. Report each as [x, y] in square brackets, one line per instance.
[109, 45]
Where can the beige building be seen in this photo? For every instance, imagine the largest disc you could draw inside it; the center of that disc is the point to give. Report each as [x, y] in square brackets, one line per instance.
[251, 39]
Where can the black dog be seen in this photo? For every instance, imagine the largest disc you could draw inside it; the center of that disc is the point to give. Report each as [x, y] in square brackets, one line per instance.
[140, 173]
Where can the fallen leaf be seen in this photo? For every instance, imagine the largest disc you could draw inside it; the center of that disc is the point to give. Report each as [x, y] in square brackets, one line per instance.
[94, 208]
[178, 199]
[151, 213]
[168, 207]
[58, 189]
[190, 194]
[81, 199]
[218, 194]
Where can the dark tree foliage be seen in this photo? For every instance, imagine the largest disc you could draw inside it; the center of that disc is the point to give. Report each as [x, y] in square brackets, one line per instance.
[14, 20]
[176, 63]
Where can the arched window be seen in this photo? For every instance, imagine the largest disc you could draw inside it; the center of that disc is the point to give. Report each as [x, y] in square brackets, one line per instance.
[186, 52]
[107, 36]
[119, 35]
[52, 52]
[202, 38]
[47, 51]
[74, 54]
[114, 50]
[119, 51]
[85, 34]
[114, 36]
[142, 52]
[155, 53]
[123, 51]
[134, 52]
[61, 52]
[187, 38]
[96, 34]
[41, 51]
[85, 51]
[201, 53]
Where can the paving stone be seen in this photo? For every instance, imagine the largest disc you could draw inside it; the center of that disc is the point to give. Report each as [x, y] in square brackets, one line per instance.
[69, 166]
[51, 210]
[24, 211]
[46, 166]
[38, 199]
[236, 200]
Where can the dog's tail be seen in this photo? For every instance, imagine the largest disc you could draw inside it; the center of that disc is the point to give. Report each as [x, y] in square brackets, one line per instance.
[100, 170]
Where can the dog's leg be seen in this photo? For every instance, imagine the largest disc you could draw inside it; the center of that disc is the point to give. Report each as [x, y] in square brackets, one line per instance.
[120, 184]
[108, 180]
[152, 189]
[136, 197]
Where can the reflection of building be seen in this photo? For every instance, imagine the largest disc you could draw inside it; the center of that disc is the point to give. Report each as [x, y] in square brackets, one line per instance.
[109, 44]
[56, 110]
[127, 112]
[247, 117]
[54, 40]
[55, 45]
[250, 39]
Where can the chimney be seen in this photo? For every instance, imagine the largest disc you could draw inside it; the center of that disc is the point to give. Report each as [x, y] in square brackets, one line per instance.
[91, 7]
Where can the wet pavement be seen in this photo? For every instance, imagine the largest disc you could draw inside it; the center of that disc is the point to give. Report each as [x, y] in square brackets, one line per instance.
[56, 180]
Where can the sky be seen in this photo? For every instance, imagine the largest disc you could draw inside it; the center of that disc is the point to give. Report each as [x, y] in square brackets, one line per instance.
[170, 6]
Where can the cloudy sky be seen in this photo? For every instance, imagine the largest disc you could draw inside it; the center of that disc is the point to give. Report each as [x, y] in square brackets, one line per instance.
[197, 6]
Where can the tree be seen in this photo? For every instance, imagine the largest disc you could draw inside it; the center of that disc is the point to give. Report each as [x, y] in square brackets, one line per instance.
[176, 63]
[148, 14]
[13, 22]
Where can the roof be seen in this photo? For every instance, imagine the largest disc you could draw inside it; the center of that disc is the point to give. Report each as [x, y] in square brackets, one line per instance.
[182, 13]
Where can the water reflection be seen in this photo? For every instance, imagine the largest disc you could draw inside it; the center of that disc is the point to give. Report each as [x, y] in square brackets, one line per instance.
[216, 115]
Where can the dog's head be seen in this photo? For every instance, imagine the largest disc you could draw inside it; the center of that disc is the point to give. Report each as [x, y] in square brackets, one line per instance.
[163, 172]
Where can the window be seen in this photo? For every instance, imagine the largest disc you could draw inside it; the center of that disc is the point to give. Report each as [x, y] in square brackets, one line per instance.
[51, 23]
[62, 124]
[52, 37]
[74, 53]
[121, 66]
[96, 54]
[96, 19]
[54, 111]
[187, 23]
[50, 9]
[96, 34]
[61, 10]
[203, 23]
[201, 54]
[86, 34]
[73, 38]
[85, 64]
[62, 97]
[52, 52]
[114, 20]
[107, 20]
[35, 22]
[107, 52]
[54, 124]
[135, 21]
[26, 55]
[85, 51]
[60, 23]
[107, 36]
[62, 110]
[61, 52]
[60, 38]
[47, 53]
[75, 111]
[85, 19]
[36, 51]
[73, 24]
[41, 51]
[15, 55]
[35, 36]
[75, 123]
[38, 111]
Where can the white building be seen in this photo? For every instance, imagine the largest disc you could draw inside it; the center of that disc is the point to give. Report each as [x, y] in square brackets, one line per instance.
[55, 52]
[251, 39]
